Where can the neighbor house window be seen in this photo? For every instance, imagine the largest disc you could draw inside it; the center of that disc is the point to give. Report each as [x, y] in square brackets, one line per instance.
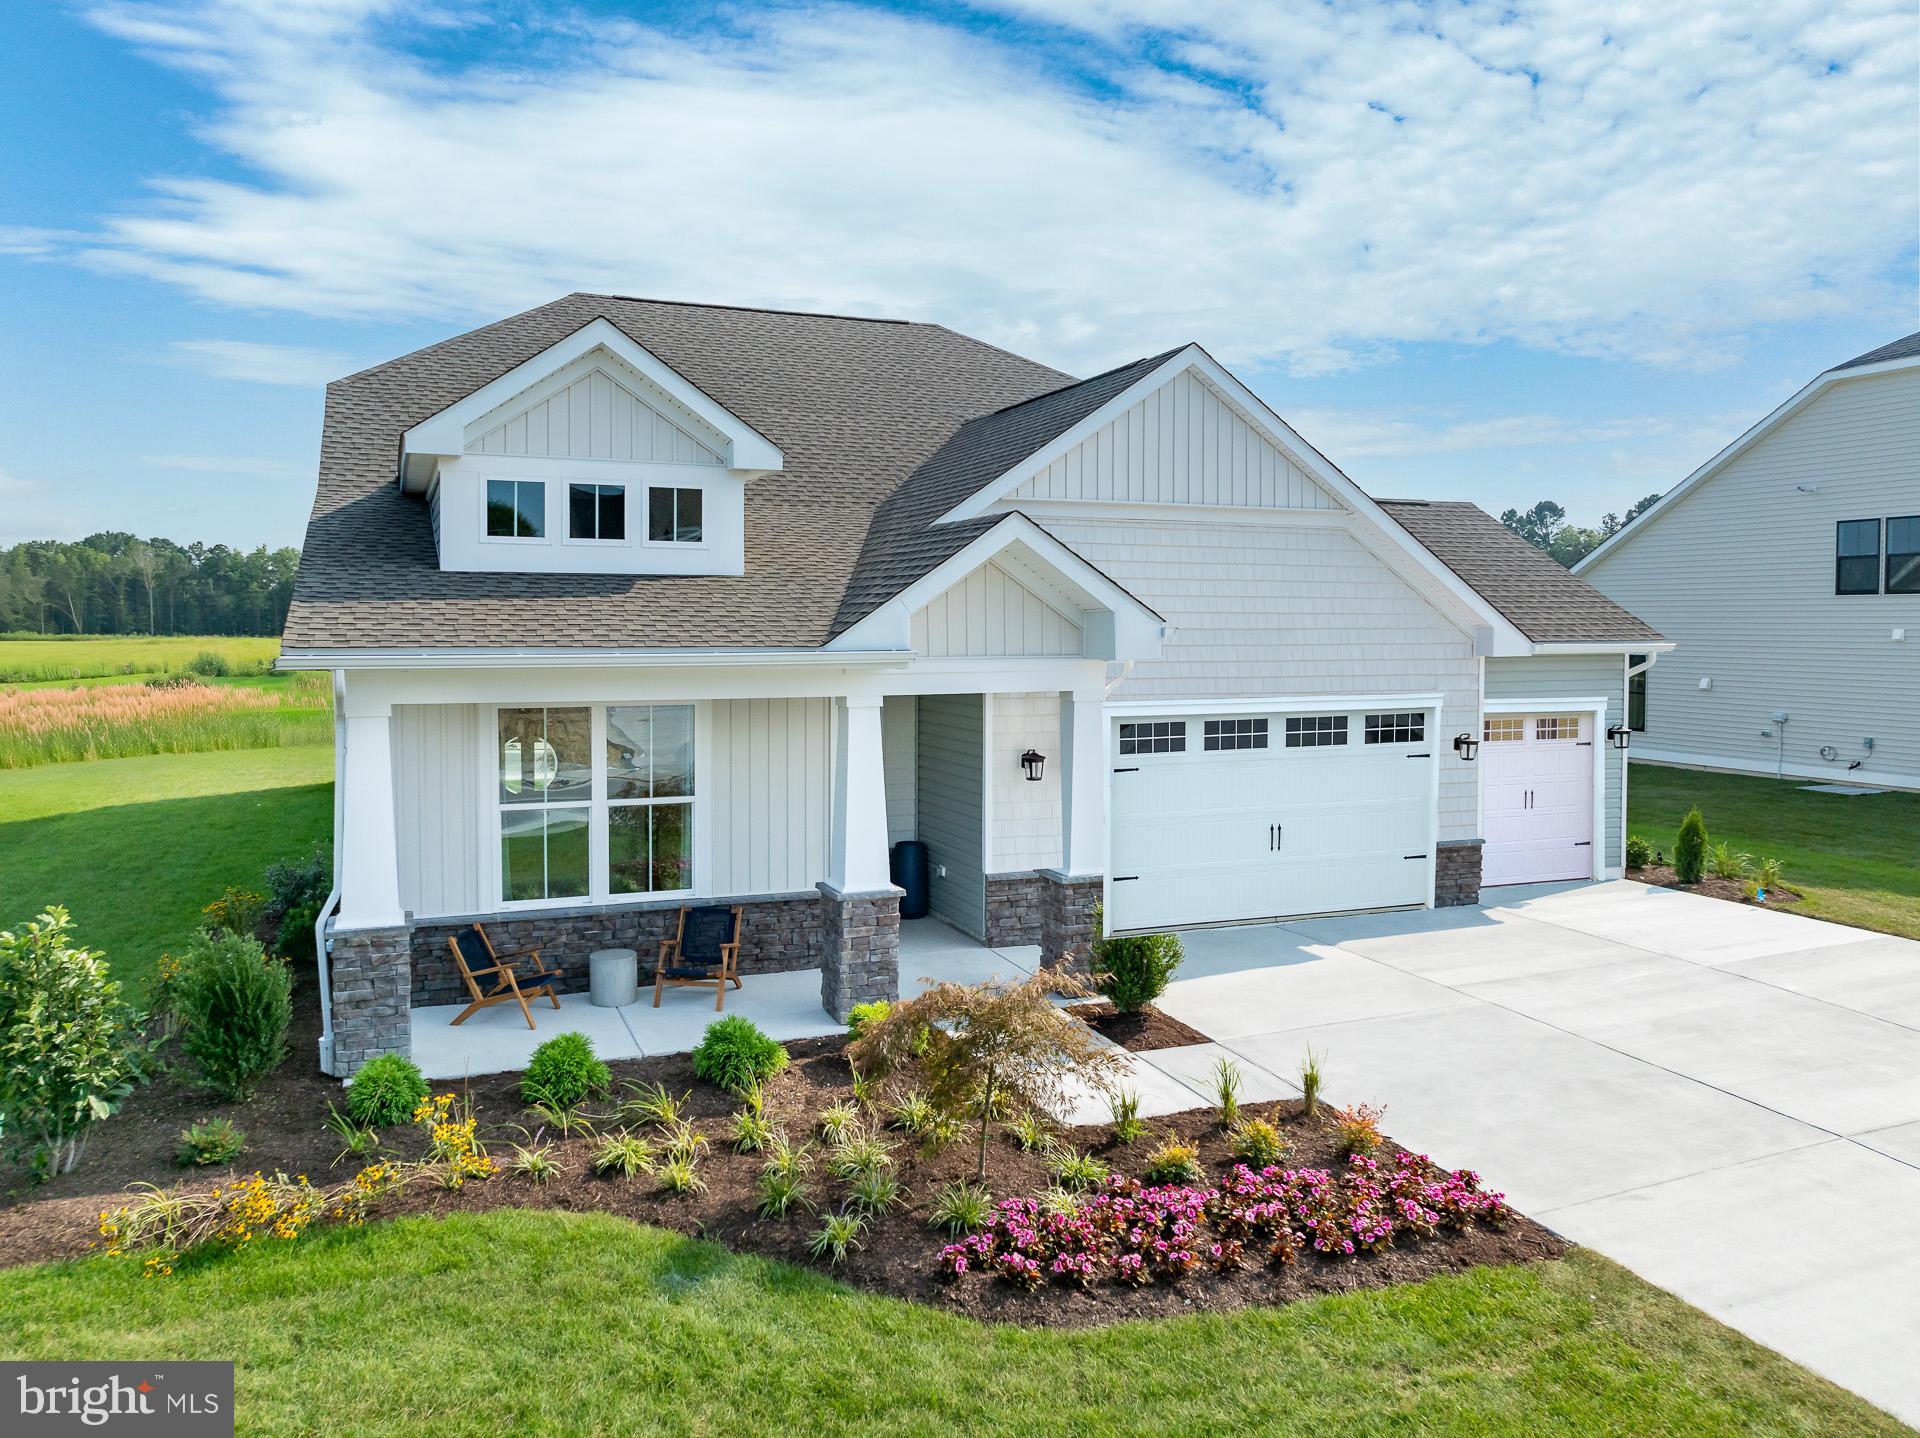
[1316, 731]
[1856, 565]
[1156, 737]
[1903, 555]
[1637, 696]
[673, 516]
[1396, 728]
[596, 511]
[546, 792]
[649, 798]
[516, 509]
[1234, 734]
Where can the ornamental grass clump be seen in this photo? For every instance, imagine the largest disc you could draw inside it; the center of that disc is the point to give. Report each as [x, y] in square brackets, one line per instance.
[735, 1055]
[783, 1176]
[679, 1175]
[1032, 1133]
[70, 1049]
[1227, 1080]
[752, 1131]
[1726, 864]
[838, 1234]
[982, 1047]
[859, 1153]
[564, 1072]
[837, 1122]
[235, 1002]
[651, 1103]
[621, 1155]
[1128, 1126]
[959, 1208]
[1077, 1172]
[385, 1091]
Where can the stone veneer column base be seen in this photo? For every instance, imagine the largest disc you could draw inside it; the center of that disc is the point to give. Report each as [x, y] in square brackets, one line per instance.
[371, 972]
[1016, 909]
[1456, 873]
[1066, 919]
[860, 961]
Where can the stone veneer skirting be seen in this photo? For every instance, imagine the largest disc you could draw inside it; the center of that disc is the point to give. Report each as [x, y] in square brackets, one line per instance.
[861, 962]
[1456, 873]
[778, 933]
[1016, 909]
[1066, 919]
[368, 968]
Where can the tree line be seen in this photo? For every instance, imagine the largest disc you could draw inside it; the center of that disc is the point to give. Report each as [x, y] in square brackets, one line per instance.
[1545, 527]
[117, 583]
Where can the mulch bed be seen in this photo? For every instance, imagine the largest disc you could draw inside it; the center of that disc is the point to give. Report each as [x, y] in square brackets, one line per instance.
[1137, 1032]
[898, 1252]
[1661, 876]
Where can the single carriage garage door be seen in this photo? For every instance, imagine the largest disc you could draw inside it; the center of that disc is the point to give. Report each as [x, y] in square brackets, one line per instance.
[1251, 816]
[1536, 798]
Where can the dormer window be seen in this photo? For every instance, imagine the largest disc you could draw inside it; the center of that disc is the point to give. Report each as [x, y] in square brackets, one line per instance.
[516, 509]
[673, 516]
[597, 511]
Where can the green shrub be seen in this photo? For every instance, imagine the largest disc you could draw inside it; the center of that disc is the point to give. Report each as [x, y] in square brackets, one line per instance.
[1256, 1143]
[1174, 1162]
[208, 1142]
[861, 1015]
[1639, 852]
[235, 1003]
[294, 941]
[209, 663]
[385, 1092]
[295, 891]
[1134, 971]
[563, 1071]
[735, 1055]
[1690, 849]
[69, 1048]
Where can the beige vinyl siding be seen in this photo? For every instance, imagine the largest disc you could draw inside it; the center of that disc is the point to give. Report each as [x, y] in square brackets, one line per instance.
[990, 614]
[1740, 572]
[950, 799]
[1025, 813]
[769, 807]
[596, 417]
[899, 758]
[440, 829]
[1182, 444]
[1575, 676]
[1283, 610]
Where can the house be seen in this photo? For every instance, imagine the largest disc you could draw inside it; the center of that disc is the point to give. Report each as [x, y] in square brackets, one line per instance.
[1788, 569]
[631, 602]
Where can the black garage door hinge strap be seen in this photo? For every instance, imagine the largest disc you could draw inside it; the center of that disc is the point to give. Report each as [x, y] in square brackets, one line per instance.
[1134, 770]
[1124, 878]
[1413, 856]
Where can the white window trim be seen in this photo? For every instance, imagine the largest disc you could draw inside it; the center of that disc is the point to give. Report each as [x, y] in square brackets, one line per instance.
[647, 541]
[546, 510]
[1596, 710]
[599, 891]
[626, 499]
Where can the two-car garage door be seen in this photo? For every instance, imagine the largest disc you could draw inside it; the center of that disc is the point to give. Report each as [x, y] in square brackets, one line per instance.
[1223, 817]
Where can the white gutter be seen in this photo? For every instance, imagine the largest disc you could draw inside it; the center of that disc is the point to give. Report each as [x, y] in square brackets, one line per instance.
[580, 658]
[1619, 646]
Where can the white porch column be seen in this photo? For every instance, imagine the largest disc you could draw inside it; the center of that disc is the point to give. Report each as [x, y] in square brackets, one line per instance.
[857, 863]
[369, 861]
[1083, 784]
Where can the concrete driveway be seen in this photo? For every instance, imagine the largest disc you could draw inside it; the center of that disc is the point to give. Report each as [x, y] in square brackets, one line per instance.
[1726, 1100]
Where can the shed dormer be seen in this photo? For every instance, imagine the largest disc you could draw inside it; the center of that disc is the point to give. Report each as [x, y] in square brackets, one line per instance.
[593, 457]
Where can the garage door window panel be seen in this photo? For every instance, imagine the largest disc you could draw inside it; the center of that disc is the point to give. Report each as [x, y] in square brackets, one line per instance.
[1217, 734]
[1396, 728]
[1158, 736]
[1316, 731]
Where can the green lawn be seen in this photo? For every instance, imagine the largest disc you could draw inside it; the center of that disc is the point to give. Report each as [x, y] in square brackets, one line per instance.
[30, 657]
[135, 847]
[549, 1323]
[1854, 858]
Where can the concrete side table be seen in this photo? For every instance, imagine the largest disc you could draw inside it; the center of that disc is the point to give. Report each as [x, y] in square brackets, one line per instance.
[614, 977]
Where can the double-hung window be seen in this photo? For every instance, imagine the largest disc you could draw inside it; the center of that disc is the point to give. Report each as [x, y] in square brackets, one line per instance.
[673, 516]
[597, 511]
[1903, 555]
[1856, 562]
[516, 509]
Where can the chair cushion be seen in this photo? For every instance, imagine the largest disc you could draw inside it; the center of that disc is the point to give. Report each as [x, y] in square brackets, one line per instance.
[687, 971]
[473, 949]
[705, 931]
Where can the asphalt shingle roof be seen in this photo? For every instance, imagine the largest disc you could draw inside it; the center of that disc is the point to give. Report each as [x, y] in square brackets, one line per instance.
[1542, 600]
[855, 405]
[1905, 348]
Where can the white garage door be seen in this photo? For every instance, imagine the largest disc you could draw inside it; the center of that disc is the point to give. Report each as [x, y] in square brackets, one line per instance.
[1238, 816]
[1536, 798]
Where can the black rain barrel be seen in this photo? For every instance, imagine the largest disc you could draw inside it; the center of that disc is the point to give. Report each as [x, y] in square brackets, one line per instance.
[908, 866]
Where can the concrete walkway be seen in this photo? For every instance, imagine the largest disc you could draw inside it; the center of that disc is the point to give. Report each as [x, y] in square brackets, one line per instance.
[1725, 1099]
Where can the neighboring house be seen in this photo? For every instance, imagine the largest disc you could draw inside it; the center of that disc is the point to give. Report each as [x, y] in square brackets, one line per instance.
[629, 603]
[1788, 569]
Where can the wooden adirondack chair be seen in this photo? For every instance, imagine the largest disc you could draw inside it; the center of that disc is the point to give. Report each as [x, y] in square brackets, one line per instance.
[473, 952]
[705, 949]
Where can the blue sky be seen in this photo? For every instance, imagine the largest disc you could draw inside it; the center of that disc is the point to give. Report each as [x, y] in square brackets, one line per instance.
[1500, 252]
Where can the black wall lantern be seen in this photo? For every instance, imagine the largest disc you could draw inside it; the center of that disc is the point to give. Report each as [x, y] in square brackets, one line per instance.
[1466, 746]
[1034, 762]
[1618, 735]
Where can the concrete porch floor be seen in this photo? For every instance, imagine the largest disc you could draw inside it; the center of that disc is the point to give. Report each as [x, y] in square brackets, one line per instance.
[786, 1006]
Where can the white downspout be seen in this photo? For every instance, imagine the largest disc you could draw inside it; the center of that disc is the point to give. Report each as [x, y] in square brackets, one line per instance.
[323, 926]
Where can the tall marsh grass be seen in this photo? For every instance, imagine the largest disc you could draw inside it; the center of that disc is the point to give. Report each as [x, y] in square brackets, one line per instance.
[38, 658]
[59, 726]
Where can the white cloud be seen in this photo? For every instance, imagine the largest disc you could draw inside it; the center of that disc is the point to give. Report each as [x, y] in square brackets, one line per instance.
[1313, 187]
[260, 363]
[229, 464]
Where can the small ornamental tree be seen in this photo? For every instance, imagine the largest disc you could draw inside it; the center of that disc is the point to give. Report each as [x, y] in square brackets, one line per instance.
[69, 1048]
[1690, 849]
[980, 1046]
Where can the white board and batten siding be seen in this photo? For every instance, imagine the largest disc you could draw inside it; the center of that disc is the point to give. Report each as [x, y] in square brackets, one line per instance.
[950, 736]
[1025, 812]
[762, 775]
[1271, 609]
[991, 614]
[1545, 677]
[1740, 574]
[596, 416]
[1182, 444]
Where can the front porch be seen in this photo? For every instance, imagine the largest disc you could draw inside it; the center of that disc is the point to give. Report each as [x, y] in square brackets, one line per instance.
[784, 1004]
